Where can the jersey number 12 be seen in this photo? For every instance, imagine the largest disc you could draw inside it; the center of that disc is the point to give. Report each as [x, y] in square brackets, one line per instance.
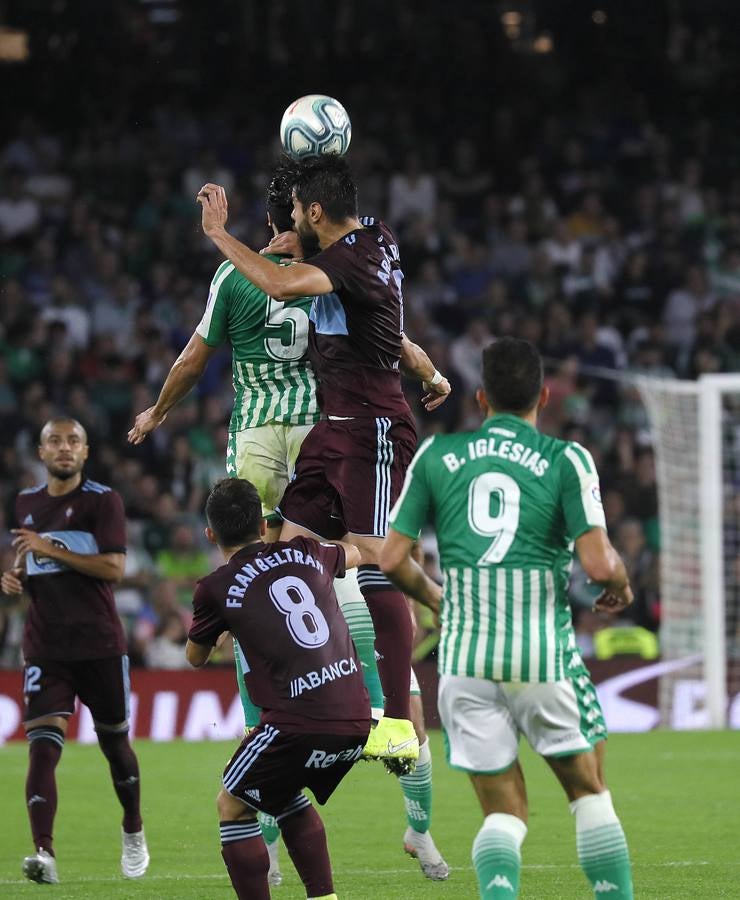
[503, 525]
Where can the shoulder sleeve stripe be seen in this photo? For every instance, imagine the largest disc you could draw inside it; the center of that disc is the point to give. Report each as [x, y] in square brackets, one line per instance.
[425, 445]
[584, 456]
[33, 490]
[204, 326]
[95, 486]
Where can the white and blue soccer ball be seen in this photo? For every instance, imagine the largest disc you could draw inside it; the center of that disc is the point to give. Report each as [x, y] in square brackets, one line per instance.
[313, 125]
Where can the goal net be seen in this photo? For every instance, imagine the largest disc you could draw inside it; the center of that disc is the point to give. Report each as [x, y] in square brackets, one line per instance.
[696, 438]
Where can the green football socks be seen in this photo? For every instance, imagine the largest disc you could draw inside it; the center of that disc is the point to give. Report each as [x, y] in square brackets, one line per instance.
[497, 856]
[417, 791]
[269, 826]
[602, 847]
[360, 625]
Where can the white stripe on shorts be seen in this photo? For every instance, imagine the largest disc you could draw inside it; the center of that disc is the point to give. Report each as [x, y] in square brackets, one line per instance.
[384, 460]
[248, 756]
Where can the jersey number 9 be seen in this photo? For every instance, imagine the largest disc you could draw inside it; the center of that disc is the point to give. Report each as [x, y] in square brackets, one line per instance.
[503, 525]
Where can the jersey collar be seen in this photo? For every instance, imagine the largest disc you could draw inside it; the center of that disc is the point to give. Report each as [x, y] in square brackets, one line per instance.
[508, 419]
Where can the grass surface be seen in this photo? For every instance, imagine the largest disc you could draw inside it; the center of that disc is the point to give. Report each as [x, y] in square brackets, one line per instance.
[678, 795]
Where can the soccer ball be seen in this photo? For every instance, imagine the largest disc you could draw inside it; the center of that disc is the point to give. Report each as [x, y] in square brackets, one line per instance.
[313, 125]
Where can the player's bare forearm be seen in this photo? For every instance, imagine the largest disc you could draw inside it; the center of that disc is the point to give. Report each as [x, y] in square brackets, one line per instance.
[352, 554]
[605, 567]
[415, 360]
[197, 654]
[185, 373]
[105, 566]
[401, 568]
[416, 363]
[280, 282]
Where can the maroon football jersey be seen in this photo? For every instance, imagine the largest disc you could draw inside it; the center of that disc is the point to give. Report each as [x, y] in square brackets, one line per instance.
[355, 335]
[300, 665]
[72, 616]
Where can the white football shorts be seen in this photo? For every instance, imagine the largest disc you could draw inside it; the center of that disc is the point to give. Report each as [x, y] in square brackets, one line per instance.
[483, 721]
[266, 456]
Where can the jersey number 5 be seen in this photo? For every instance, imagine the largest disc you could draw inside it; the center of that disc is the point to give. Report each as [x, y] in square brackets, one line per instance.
[500, 526]
[295, 600]
[277, 315]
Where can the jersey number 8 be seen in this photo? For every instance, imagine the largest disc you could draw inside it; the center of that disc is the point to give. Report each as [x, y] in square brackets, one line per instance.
[503, 525]
[295, 600]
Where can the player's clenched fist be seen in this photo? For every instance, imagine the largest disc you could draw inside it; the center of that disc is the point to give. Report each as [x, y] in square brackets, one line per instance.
[214, 207]
[613, 600]
[11, 583]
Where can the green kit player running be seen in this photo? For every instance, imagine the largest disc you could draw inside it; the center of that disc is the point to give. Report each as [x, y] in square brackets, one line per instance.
[274, 409]
[508, 504]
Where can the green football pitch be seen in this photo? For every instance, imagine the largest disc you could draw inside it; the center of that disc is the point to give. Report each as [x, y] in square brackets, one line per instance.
[678, 795]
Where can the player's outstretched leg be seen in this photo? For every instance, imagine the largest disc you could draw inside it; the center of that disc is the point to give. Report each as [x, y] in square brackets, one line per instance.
[417, 798]
[393, 738]
[46, 743]
[305, 840]
[602, 846]
[124, 770]
[360, 624]
[393, 638]
[497, 856]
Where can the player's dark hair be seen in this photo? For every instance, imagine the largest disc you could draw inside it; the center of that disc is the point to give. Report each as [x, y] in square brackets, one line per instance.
[234, 511]
[327, 180]
[512, 375]
[280, 194]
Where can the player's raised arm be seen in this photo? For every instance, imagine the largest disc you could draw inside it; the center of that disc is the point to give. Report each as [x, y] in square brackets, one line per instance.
[185, 373]
[280, 282]
[416, 362]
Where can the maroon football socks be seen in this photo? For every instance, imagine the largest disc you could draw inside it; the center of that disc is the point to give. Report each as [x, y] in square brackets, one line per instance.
[394, 638]
[124, 770]
[45, 748]
[245, 855]
[305, 840]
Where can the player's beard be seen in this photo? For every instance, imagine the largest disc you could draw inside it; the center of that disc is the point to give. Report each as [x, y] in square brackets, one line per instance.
[309, 239]
[64, 474]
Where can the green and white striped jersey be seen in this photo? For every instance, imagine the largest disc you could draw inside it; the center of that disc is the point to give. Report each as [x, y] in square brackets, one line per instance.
[507, 503]
[272, 377]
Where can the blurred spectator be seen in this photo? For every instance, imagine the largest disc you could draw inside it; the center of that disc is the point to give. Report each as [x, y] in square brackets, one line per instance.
[19, 212]
[412, 193]
[183, 562]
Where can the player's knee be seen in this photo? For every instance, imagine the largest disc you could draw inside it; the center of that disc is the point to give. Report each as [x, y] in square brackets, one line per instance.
[230, 809]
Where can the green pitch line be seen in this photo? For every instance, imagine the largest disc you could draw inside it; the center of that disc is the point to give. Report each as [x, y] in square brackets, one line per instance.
[675, 793]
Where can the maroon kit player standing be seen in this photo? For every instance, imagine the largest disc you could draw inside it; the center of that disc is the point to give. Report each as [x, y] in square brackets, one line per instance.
[71, 547]
[300, 666]
[351, 467]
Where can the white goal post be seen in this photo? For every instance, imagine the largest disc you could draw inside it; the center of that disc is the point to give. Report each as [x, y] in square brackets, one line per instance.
[695, 429]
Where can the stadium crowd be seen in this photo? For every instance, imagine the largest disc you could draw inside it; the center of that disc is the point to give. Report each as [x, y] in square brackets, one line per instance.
[599, 232]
